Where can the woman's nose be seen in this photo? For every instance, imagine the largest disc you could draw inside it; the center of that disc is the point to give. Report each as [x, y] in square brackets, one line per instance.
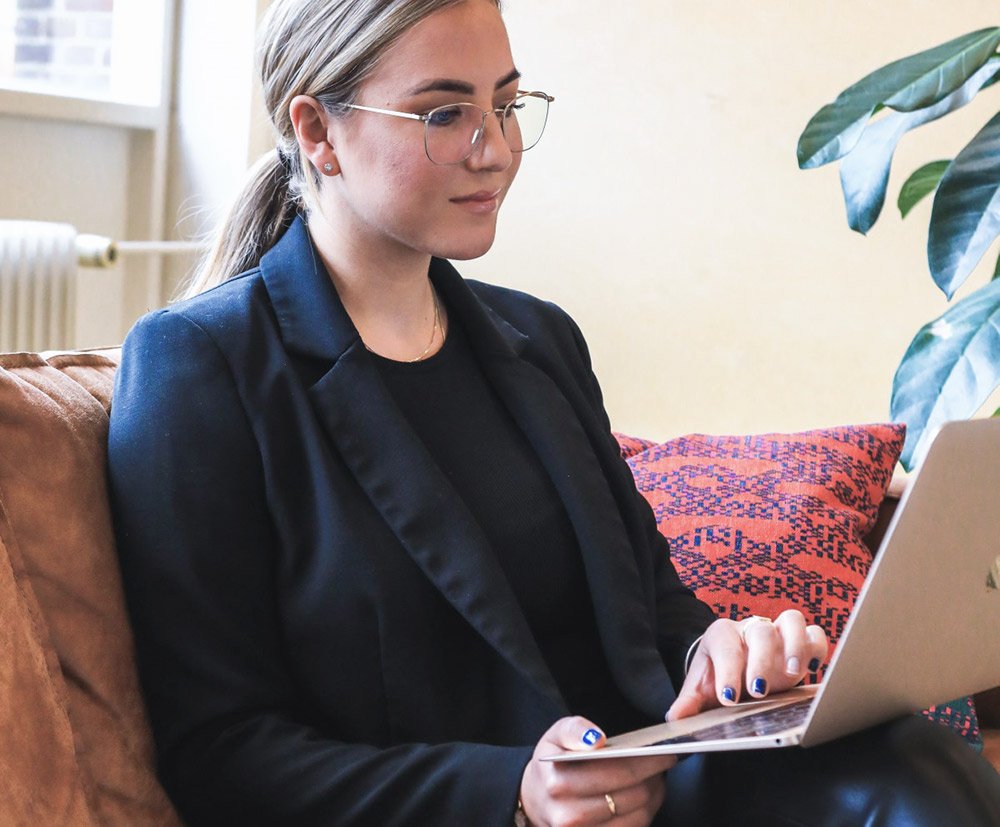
[492, 151]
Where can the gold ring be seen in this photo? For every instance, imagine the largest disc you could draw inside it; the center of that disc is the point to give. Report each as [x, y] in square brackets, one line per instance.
[611, 804]
[747, 622]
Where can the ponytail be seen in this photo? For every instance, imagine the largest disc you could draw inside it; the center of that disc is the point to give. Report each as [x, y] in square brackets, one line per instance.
[260, 215]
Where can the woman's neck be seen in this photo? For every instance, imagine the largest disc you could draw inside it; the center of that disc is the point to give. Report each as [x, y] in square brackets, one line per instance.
[386, 292]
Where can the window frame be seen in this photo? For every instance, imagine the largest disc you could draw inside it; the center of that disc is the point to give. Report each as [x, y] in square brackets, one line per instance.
[27, 101]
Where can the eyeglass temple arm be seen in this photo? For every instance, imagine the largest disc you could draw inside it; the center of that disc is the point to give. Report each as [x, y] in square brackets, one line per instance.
[408, 115]
[549, 98]
[413, 117]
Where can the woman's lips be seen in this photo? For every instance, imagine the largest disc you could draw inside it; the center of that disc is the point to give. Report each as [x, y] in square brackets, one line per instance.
[479, 202]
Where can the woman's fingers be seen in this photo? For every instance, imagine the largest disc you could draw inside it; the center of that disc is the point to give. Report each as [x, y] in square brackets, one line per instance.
[818, 648]
[764, 656]
[716, 673]
[575, 792]
[796, 651]
[640, 800]
[755, 656]
[728, 655]
[573, 733]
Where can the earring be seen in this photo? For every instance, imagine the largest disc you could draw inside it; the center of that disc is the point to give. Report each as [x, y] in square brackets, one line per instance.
[328, 168]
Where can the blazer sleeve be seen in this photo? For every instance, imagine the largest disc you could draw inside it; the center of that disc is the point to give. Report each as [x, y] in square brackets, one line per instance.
[197, 550]
[680, 616]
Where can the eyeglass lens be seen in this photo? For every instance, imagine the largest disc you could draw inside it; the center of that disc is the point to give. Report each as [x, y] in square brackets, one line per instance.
[452, 132]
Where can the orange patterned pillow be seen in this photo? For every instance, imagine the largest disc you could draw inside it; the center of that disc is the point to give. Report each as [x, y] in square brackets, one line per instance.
[759, 524]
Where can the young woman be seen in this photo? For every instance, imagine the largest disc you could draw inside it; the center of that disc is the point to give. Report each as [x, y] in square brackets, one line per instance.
[378, 542]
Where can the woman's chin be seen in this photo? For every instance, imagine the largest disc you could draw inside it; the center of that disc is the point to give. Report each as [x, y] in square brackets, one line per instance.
[467, 248]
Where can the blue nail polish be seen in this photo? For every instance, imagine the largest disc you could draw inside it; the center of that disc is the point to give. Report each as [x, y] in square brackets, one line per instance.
[591, 737]
[814, 665]
[729, 694]
[759, 686]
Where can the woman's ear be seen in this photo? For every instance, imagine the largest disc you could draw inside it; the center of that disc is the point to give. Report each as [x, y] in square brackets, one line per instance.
[311, 123]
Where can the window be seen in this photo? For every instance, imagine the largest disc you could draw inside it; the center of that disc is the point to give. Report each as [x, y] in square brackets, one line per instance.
[99, 49]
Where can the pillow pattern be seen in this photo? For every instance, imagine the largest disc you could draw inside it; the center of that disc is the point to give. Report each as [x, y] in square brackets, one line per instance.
[760, 524]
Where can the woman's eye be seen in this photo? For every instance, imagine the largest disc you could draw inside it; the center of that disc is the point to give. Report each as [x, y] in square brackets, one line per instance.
[446, 116]
[505, 110]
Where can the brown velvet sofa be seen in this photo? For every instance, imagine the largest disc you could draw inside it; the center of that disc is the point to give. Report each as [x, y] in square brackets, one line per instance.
[75, 747]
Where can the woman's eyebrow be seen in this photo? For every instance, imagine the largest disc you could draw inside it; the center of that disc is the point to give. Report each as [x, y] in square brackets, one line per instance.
[460, 86]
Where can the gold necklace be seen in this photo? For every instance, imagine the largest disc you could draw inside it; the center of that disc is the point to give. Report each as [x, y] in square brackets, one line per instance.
[434, 330]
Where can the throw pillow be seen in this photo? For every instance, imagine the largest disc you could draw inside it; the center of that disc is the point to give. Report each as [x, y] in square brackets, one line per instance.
[758, 524]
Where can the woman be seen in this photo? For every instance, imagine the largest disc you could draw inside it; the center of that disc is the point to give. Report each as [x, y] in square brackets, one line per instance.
[376, 536]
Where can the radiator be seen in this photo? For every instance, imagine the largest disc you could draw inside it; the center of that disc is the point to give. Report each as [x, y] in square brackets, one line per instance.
[38, 265]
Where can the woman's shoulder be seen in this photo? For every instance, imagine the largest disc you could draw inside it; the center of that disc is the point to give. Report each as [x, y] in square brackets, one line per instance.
[224, 311]
[529, 313]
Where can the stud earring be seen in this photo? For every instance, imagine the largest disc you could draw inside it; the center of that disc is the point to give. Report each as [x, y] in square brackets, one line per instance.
[327, 168]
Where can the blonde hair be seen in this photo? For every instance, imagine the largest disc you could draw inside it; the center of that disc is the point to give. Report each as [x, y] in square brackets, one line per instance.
[321, 48]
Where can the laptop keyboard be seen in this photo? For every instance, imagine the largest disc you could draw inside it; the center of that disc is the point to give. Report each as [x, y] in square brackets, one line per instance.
[765, 722]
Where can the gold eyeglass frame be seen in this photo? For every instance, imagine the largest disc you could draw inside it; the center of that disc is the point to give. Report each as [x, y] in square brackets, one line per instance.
[501, 111]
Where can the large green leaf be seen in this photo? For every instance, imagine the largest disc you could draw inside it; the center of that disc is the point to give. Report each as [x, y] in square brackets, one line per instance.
[950, 369]
[919, 185]
[965, 219]
[864, 171]
[914, 82]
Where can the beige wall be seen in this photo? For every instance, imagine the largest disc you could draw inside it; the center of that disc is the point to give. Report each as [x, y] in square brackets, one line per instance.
[73, 173]
[719, 286]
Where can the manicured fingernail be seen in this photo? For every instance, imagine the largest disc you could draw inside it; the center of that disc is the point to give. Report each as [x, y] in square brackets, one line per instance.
[814, 665]
[729, 694]
[759, 686]
[793, 666]
[592, 736]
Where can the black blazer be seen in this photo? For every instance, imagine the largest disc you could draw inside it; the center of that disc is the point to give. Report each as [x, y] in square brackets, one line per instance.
[323, 634]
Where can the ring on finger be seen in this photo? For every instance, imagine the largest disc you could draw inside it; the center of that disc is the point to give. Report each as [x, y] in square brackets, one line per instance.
[747, 622]
[611, 804]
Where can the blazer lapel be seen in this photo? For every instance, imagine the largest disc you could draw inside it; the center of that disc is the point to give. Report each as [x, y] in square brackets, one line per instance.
[390, 462]
[622, 595]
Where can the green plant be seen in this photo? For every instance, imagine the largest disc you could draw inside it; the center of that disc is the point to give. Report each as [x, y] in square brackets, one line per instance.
[952, 366]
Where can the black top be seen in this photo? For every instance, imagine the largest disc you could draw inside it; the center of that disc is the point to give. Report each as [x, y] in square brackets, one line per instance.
[472, 437]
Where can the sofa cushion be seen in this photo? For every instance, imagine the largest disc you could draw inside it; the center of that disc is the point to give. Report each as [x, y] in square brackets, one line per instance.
[40, 779]
[53, 429]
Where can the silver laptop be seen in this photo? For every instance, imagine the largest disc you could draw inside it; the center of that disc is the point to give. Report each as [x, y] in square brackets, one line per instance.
[925, 628]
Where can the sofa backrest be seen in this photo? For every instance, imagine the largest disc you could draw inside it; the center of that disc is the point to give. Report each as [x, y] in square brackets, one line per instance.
[76, 747]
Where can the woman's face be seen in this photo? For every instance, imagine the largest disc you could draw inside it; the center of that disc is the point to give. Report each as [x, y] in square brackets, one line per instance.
[388, 192]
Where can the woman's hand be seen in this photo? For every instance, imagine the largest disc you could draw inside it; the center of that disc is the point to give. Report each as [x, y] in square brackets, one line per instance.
[627, 791]
[756, 656]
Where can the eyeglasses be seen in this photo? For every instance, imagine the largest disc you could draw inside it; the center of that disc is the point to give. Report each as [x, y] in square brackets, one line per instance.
[452, 132]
